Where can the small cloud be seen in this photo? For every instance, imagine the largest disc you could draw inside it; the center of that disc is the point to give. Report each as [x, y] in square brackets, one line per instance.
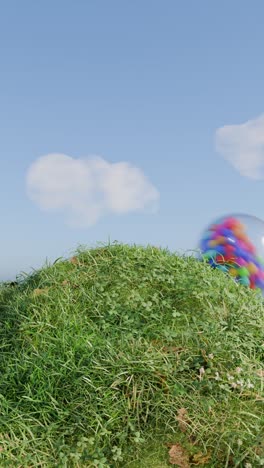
[86, 189]
[243, 147]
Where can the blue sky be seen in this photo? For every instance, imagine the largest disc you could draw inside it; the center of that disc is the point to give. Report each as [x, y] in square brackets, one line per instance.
[166, 87]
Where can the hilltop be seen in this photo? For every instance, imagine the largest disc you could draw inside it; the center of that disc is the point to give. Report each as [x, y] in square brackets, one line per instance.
[128, 356]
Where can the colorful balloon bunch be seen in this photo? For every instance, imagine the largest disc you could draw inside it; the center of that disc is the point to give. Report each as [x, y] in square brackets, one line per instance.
[227, 246]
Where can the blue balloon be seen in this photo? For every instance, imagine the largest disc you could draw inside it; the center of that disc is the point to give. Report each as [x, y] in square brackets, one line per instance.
[226, 232]
[260, 283]
[243, 254]
[220, 249]
[231, 240]
[204, 245]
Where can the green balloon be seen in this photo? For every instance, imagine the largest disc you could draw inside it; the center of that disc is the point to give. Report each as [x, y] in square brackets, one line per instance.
[243, 272]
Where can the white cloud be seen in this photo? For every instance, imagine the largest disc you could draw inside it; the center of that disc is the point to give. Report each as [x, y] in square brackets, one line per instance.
[243, 146]
[86, 189]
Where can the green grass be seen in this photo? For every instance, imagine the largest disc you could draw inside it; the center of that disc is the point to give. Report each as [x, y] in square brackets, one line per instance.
[99, 355]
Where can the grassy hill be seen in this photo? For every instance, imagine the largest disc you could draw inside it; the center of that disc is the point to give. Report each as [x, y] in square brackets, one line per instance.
[131, 357]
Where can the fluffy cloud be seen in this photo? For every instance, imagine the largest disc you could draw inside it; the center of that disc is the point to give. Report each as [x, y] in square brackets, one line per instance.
[243, 146]
[86, 189]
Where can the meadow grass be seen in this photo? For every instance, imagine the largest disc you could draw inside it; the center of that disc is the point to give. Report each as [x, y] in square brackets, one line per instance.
[122, 353]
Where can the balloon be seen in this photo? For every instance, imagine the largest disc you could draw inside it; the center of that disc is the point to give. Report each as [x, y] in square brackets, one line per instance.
[234, 244]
